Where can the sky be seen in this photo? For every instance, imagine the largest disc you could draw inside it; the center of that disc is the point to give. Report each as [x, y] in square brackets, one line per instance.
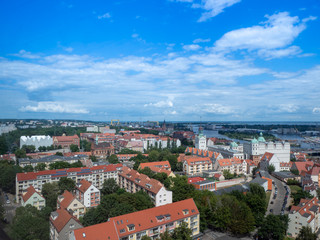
[178, 60]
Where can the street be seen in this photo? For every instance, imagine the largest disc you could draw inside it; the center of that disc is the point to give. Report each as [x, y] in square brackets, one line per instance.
[277, 204]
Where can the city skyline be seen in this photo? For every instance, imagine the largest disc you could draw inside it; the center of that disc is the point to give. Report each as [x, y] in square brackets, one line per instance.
[179, 60]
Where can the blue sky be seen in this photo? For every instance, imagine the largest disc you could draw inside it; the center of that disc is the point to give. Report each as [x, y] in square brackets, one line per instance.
[180, 60]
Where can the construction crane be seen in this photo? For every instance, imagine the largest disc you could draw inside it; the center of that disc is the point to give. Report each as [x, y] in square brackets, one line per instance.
[115, 120]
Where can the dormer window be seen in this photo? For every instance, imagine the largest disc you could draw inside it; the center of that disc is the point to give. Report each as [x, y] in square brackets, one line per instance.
[185, 211]
[131, 227]
[122, 230]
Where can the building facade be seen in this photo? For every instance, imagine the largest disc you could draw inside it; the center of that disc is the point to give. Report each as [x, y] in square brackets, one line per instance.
[97, 175]
[33, 198]
[37, 141]
[65, 141]
[196, 165]
[71, 204]
[133, 181]
[305, 214]
[88, 194]
[150, 222]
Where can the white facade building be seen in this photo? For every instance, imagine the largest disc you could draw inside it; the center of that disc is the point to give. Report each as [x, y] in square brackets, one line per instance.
[37, 141]
[201, 142]
[257, 147]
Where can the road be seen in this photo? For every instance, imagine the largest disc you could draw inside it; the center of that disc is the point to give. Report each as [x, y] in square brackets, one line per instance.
[278, 202]
[9, 208]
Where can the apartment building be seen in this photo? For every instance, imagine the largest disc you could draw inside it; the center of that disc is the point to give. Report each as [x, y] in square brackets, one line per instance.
[150, 222]
[233, 165]
[34, 198]
[62, 223]
[196, 165]
[133, 181]
[88, 194]
[96, 175]
[305, 214]
[163, 164]
[71, 203]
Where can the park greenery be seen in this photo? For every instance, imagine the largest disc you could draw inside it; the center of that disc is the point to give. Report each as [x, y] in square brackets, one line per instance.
[8, 170]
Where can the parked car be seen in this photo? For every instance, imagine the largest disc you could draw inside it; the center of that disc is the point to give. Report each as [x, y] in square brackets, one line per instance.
[271, 202]
[271, 210]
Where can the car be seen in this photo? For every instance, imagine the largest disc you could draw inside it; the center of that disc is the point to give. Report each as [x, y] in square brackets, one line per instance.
[271, 210]
[271, 202]
[8, 201]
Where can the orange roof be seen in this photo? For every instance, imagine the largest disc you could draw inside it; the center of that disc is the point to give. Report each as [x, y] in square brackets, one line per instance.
[117, 227]
[160, 170]
[142, 180]
[198, 160]
[229, 161]
[67, 199]
[269, 183]
[84, 185]
[163, 164]
[66, 138]
[304, 208]
[63, 172]
[302, 166]
[29, 193]
[62, 219]
[267, 156]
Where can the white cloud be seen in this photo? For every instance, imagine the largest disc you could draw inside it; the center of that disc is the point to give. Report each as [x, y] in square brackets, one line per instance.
[277, 32]
[170, 112]
[160, 104]
[290, 108]
[279, 53]
[68, 49]
[213, 7]
[316, 110]
[191, 47]
[311, 18]
[135, 35]
[201, 40]
[54, 107]
[106, 15]
[216, 108]
[25, 54]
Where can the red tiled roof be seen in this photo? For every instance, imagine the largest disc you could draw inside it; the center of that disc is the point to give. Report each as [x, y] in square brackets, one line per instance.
[62, 219]
[29, 193]
[267, 156]
[133, 175]
[33, 175]
[66, 138]
[198, 160]
[304, 207]
[229, 161]
[160, 170]
[84, 185]
[163, 164]
[302, 166]
[117, 227]
[67, 199]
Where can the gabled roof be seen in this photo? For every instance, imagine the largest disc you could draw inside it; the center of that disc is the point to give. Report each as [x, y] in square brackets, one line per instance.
[118, 227]
[267, 156]
[142, 180]
[64, 172]
[62, 218]
[160, 170]
[302, 166]
[67, 199]
[84, 185]
[306, 208]
[29, 193]
[163, 164]
[198, 160]
[65, 138]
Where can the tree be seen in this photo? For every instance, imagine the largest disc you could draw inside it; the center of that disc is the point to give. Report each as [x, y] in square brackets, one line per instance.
[145, 237]
[109, 186]
[20, 153]
[227, 174]
[182, 232]
[273, 227]
[113, 159]
[93, 158]
[8, 174]
[85, 145]
[295, 171]
[29, 224]
[300, 194]
[66, 184]
[29, 148]
[306, 233]
[28, 168]
[59, 165]
[50, 192]
[271, 168]
[74, 148]
[181, 189]
[59, 154]
[40, 167]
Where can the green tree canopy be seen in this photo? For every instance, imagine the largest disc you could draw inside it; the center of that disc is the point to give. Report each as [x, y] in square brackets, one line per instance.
[28, 168]
[40, 167]
[273, 227]
[66, 184]
[74, 148]
[306, 233]
[50, 192]
[113, 159]
[109, 186]
[29, 224]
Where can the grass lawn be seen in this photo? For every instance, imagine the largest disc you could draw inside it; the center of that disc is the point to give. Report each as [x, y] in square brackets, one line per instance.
[294, 188]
